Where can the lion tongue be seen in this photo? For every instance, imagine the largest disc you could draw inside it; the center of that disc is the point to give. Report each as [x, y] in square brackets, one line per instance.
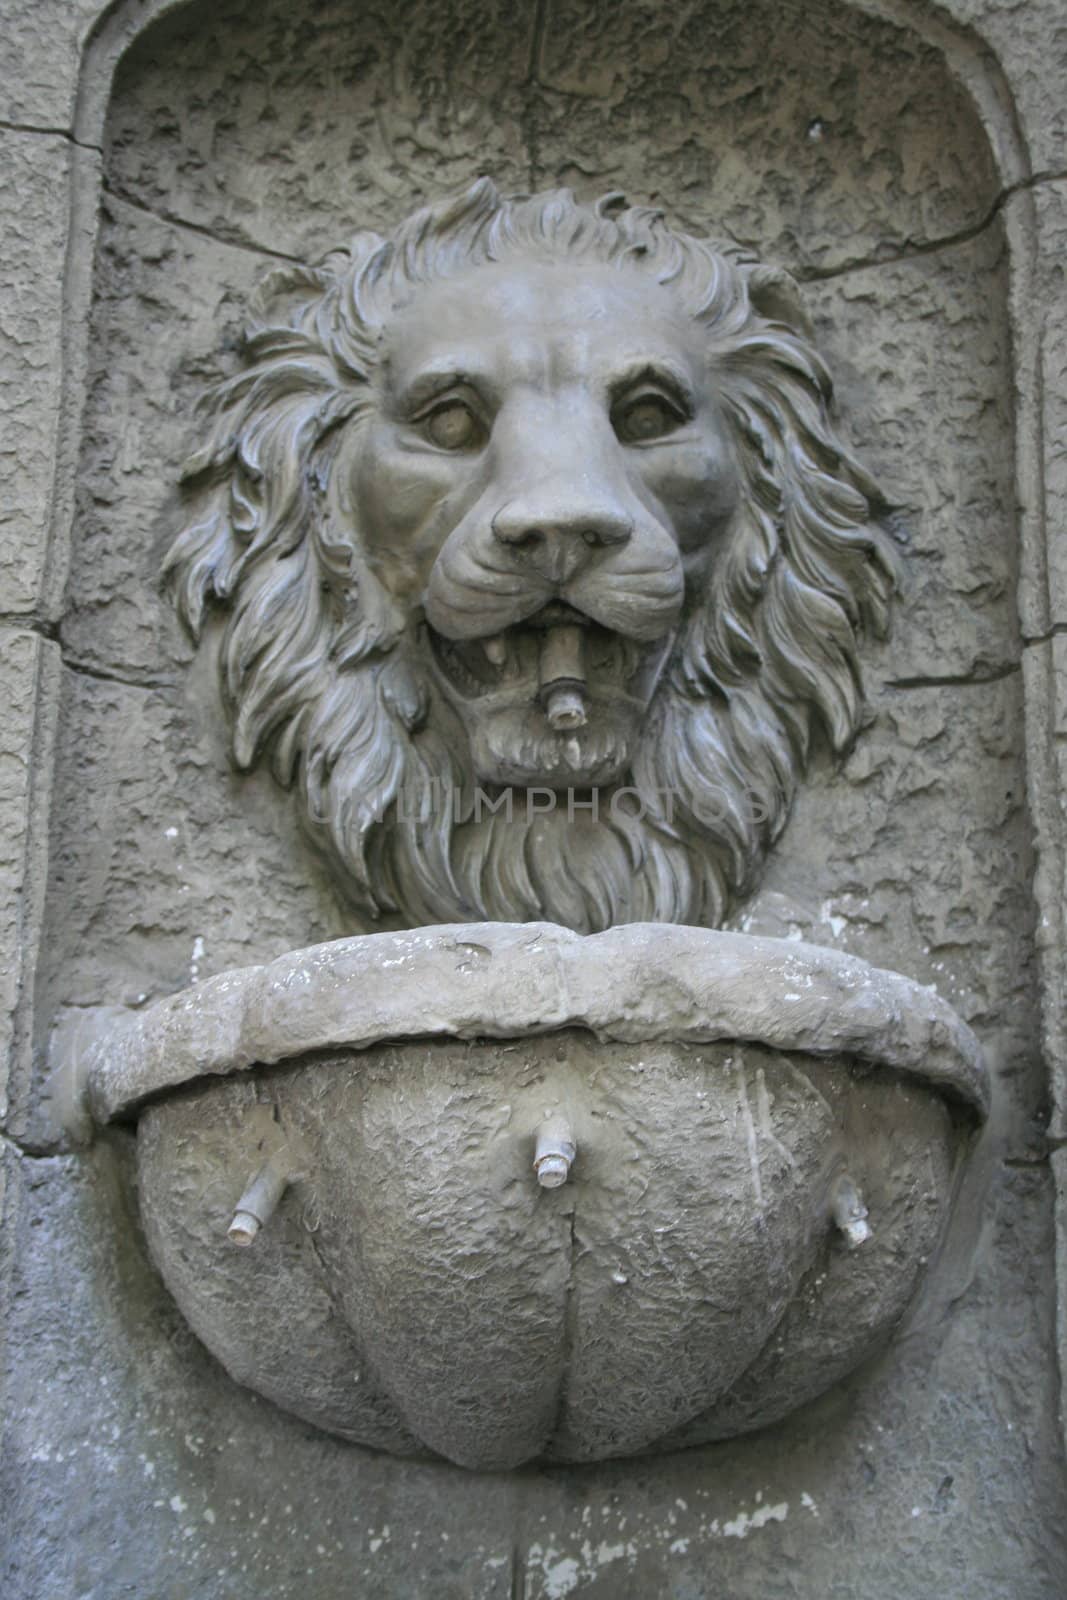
[561, 676]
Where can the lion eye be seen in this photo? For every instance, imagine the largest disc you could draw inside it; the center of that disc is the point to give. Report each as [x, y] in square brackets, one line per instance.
[454, 427]
[647, 418]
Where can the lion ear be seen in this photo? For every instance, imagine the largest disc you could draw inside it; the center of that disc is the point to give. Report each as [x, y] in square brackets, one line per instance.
[775, 294]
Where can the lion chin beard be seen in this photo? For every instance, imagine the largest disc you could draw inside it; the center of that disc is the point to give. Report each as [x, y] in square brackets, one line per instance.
[518, 821]
[452, 847]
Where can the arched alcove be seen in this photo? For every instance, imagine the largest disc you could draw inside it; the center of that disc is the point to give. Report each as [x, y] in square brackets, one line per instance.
[838, 145]
[842, 148]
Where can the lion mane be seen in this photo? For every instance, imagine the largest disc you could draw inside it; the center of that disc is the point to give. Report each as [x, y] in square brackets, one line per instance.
[318, 662]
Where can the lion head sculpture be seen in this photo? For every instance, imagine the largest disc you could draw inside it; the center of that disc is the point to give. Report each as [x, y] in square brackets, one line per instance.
[541, 560]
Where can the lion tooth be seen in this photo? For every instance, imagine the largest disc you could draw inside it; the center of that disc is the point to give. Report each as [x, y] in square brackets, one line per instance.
[496, 650]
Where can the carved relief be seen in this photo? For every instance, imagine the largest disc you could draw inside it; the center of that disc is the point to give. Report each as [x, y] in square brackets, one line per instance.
[541, 567]
[540, 558]
[753, 1141]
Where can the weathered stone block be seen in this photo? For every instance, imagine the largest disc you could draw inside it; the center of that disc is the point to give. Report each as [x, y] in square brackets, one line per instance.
[40, 50]
[28, 680]
[1028, 44]
[34, 216]
[1048, 312]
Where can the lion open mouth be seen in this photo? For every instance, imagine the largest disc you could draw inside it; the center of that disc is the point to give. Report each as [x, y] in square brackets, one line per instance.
[559, 659]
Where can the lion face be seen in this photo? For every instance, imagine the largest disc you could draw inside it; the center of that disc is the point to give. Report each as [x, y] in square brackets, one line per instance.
[534, 497]
[544, 478]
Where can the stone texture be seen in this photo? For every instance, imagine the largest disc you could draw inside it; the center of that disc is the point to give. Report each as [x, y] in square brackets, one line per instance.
[1047, 671]
[680, 1287]
[910, 342]
[639, 982]
[218, 906]
[34, 216]
[743, 125]
[123, 1472]
[42, 44]
[589, 90]
[937, 1481]
[335, 126]
[39, 56]
[1038, 218]
[862, 867]
[182, 297]
[28, 683]
[1058, 1163]
[1029, 44]
[907, 1500]
[956, 1425]
[1049, 315]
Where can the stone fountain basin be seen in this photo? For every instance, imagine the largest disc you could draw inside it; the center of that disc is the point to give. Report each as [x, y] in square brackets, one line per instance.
[418, 1291]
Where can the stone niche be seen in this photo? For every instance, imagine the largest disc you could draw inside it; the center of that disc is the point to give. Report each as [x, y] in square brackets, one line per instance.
[241, 136]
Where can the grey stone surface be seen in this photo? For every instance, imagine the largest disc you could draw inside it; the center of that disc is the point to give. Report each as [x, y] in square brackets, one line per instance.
[337, 126]
[1049, 313]
[42, 45]
[123, 1474]
[1036, 218]
[40, 49]
[603, 96]
[685, 1287]
[969, 1398]
[1028, 44]
[854, 162]
[1048, 664]
[18, 682]
[181, 296]
[909, 341]
[860, 869]
[498, 979]
[33, 216]
[1045, 791]
[884, 1507]
[1058, 1164]
[29, 668]
[218, 906]
[416, 1290]
[928, 1474]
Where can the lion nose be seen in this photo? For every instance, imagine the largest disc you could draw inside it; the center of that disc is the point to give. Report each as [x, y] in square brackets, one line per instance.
[557, 542]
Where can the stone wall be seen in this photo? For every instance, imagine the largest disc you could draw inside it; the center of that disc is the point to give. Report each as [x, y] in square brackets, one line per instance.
[909, 164]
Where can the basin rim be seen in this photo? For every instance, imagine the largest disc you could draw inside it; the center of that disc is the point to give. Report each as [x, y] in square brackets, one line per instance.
[635, 982]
